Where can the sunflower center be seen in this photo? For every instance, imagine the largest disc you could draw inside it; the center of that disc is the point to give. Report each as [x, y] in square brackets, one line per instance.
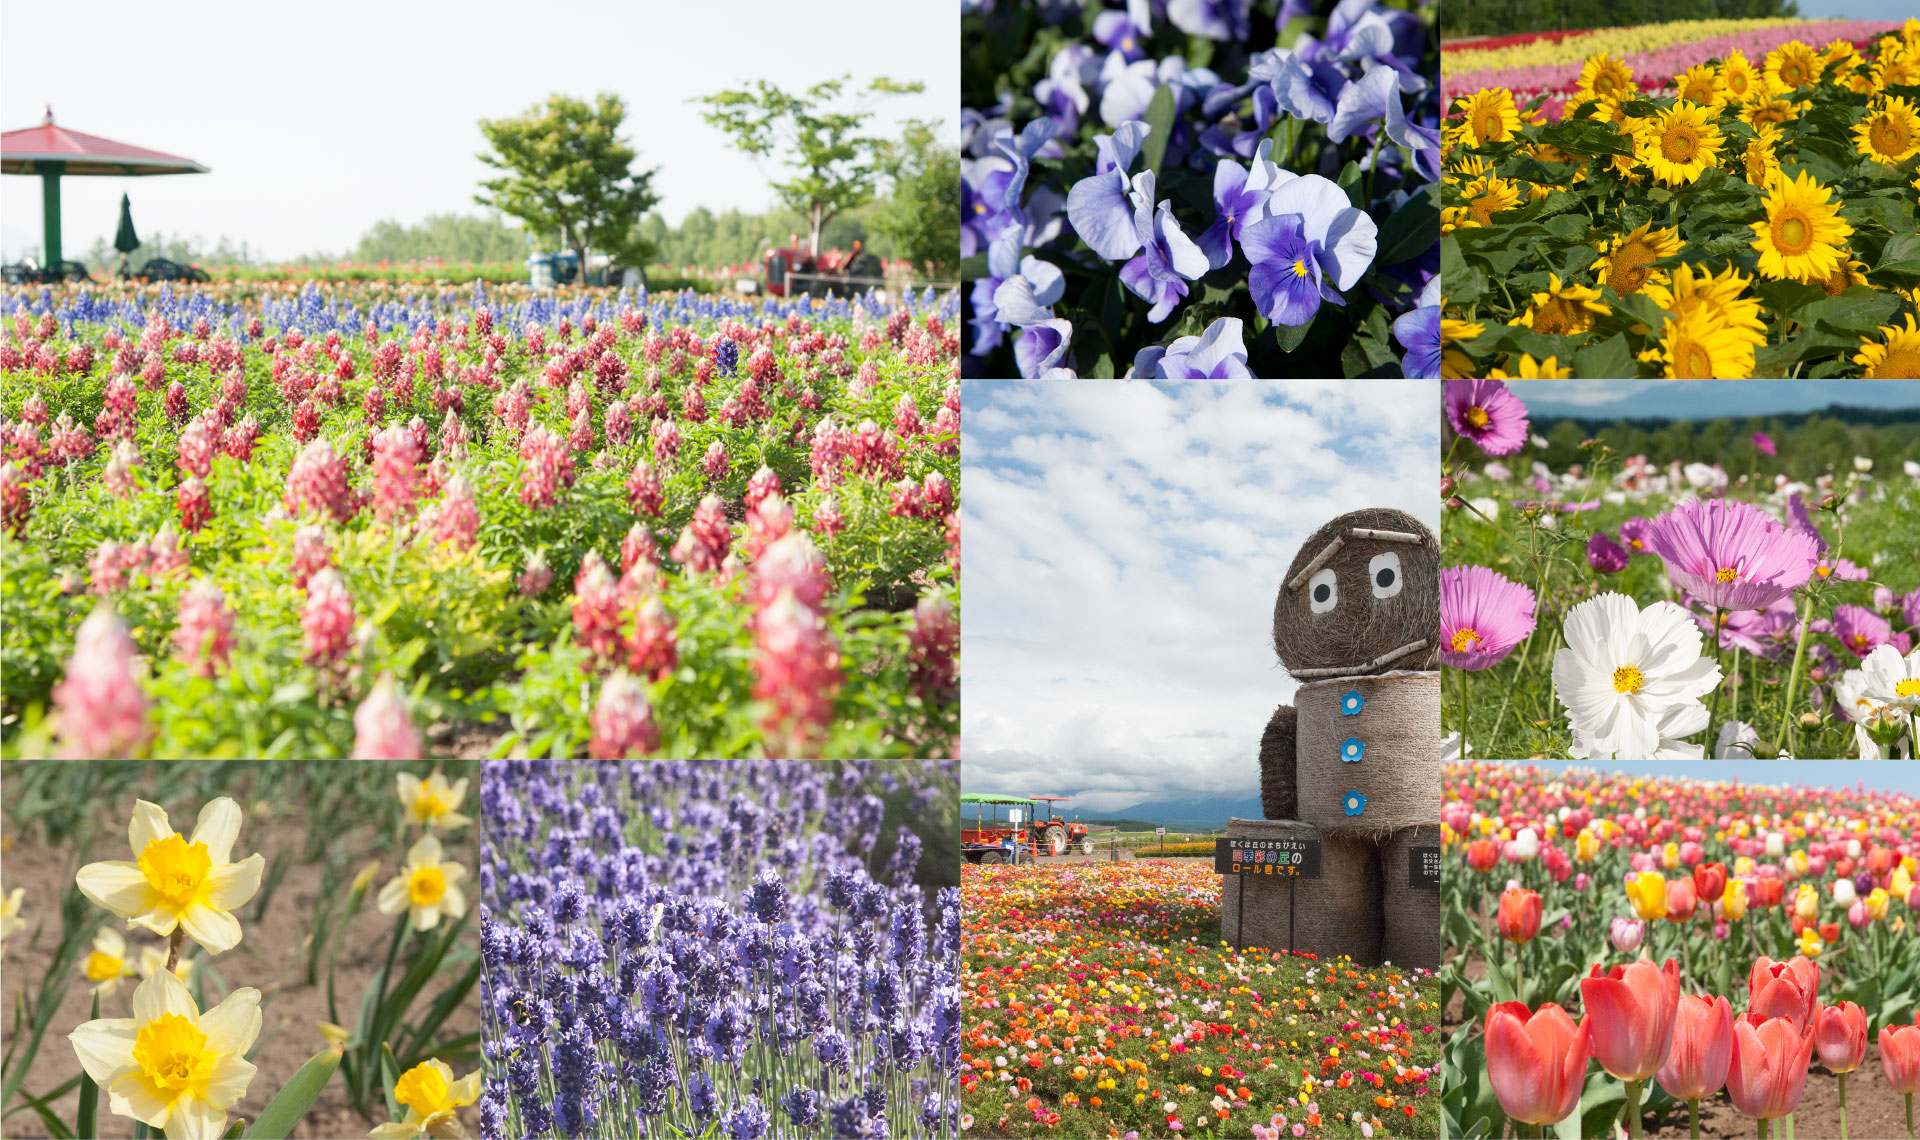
[1792, 74]
[426, 886]
[1738, 81]
[1464, 639]
[1554, 318]
[1697, 362]
[1477, 416]
[1908, 688]
[1484, 208]
[422, 1089]
[1605, 85]
[1680, 144]
[1836, 283]
[172, 1053]
[1627, 679]
[1697, 92]
[1889, 135]
[1771, 113]
[100, 967]
[175, 870]
[1627, 269]
[1299, 267]
[1793, 233]
[1490, 127]
[1726, 574]
[1898, 364]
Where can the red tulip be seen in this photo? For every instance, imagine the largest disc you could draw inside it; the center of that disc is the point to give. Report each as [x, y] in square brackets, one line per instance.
[1879, 862]
[1784, 989]
[1483, 855]
[1632, 1009]
[1558, 866]
[1702, 1048]
[1536, 1061]
[1767, 891]
[1840, 1034]
[1519, 917]
[1900, 1057]
[1710, 881]
[1680, 900]
[1829, 932]
[1769, 1069]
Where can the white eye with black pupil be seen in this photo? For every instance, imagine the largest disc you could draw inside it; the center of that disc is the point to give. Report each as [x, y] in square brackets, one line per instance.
[1323, 593]
[1384, 573]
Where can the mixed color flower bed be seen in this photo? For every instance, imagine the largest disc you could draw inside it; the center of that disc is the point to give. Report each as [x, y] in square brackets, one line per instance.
[1710, 211]
[1100, 1002]
[1795, 906]
[314, 523]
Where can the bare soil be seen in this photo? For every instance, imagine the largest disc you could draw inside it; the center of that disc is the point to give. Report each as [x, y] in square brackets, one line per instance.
[271, 957]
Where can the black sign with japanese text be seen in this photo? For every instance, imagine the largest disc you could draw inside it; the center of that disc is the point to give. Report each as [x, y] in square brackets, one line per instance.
[1423, 872]
[1295, 858]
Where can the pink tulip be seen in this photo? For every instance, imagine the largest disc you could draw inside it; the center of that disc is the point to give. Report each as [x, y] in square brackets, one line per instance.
[1702, 1048]
[1627, 933]
[1784, 989]
[1840, 1034]
[1631, 1009]
[1537, 1062]
[1769, 1070]
[1680, 900]
[1900, 1056]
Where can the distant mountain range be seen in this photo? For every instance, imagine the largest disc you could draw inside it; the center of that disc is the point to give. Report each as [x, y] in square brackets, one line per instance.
[1195, 812]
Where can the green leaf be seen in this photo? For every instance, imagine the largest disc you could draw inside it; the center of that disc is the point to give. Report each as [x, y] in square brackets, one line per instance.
[1463, 286]
[1412, 229]
[390, 1080]
[1611, 359]
[88, 1122]
[295, 1097]
[1290, 336]
[1159, 120]
[1589, 137]
[1349, 181]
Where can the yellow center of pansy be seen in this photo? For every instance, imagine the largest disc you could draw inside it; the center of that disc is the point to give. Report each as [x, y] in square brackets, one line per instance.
[1299, 267]
[100, 967]
[426, 886]
[1627, 679]
[422, 1089]
[176, 870]
[173, 1054]
[1463, 639]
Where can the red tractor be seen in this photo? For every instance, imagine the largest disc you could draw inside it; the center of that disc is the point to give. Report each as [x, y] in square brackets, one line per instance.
[992, 834]
[1055, 833]
[830, 274]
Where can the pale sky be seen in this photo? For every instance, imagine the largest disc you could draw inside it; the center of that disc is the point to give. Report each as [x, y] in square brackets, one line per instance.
[1123, 545]
[319, 122]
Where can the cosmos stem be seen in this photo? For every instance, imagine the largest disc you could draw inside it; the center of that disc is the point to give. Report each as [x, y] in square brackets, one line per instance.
[1793, 675]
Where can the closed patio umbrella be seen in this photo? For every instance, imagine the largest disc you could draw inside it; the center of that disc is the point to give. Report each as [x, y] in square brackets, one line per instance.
[126, 241]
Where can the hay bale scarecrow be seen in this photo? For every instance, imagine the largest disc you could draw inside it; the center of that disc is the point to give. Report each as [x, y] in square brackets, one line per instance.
[1357, 757]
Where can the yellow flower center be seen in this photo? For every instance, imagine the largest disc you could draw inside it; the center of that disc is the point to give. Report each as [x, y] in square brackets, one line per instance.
[1605, 85]
[1490, 128]
[428, 807]
[176, 870]
[1823, 571]
[1485, 207]
[1793, 233]
[1889, 136]
[1679, 144]
[426, 886]
[1908, 688]
[1860, 640]
[1774, 113]
[1477, 416]
[1627, 267]
[1726, 574]
[1698, 91]
[100, 967]
[1695, 362]
[1463, 639]
[1898, 363]
[1836, 283]
[1738, 81]
[1555, 317]
[1299, 267]
[173, 1054]
[1792, 73]
[422, 1089]
[1627, 679]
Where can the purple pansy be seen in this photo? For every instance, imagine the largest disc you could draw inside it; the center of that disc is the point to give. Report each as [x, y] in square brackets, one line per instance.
[1312, 245]
[1239, 198]
[1213, 19]
[1217, 354]
[1167, 260]
[1098, 207]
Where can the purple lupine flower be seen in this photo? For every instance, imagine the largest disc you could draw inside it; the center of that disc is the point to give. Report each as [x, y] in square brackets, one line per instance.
[1483, 616]
[1730, 554]
[1485, 412]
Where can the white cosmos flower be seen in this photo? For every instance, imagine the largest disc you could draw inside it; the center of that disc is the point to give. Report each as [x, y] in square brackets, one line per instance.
[1623, 674]
[169, 1065]
[1891, 678]
[1850, 692]
[1678, 721]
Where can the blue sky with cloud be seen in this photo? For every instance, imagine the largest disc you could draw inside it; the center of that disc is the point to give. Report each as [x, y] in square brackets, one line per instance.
[1123, 542]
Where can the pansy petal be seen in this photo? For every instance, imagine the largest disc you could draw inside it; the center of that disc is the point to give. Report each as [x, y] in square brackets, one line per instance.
[115, 885]
[1182, 254]
[1049, 284]
[1127, 140]
[219, 826]
[1220, 342]
[1364, 102]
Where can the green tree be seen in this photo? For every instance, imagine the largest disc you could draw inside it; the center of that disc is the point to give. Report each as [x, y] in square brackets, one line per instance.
[449, 237]
[921, 220]
[835, 167]
[569, 175]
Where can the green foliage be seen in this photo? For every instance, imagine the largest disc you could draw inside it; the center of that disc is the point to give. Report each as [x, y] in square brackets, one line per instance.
[921, 220]
[446, 237]
[567, 174]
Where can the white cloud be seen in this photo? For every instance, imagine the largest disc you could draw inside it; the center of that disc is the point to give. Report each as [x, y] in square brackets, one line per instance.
[1123, 542]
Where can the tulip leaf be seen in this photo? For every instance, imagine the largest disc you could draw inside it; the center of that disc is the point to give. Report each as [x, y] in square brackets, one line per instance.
[295, 1097]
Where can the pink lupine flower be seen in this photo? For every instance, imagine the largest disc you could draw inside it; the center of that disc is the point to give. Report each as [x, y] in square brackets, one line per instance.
[580, 432]
[204, 636]
[16, 504]
[23, 447]
[935, 639]
[875, 452]
[396, 473]
[549, 465]
[241, 440]
[34, 410]
[946, 431]
[118, 475]
[936, 497]
[666, 441]
[792, 564]
[715, 463]
[458, 521]
[637, 547]
[195, 503]
[106, 573]
[763, 483]
[827, 519]
[311, 554]
[644, 488]
[622, 721]
[168, 558]
[175, 403]
[69, 441]
[318, 482]
[953, 544]
[537, 577]
[596, 606]
[694, 405]
[327, 619]
[797, 666]
[619, 425]
[382, 728]
[652, 643]
[306, 421]
[513, 406]
[704, 541]
[906, 418]
[906, 500]
[196, 450]
[102, 710]
[767, 521]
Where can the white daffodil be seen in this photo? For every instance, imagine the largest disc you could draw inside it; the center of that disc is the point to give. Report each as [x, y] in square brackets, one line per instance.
[1891, 678]
[169, 1065]
[426, 887]
[178, 882]
[153, 958]
[431, 1096]
[108, 963]
[431, 802]
[1627, 676]
[10, 919]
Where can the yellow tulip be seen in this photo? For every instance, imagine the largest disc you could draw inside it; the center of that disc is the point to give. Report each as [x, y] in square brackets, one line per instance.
[1670, 856]
[1648, 892]
[426, 886]
[177, 883]
[1806, 902]
[1901, 884]
[431, 1096]
[1743, 867]
[1877, 902]
[1798, 861]
[1810, 942]
[1586, 846]
[169, 1065]
[1733, 904]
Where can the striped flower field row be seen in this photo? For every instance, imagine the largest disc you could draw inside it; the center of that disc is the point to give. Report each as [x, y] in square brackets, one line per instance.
[1524, 49]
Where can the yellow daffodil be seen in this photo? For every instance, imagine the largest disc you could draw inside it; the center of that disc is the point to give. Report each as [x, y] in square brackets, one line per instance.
[154, 959]
[431, 1096]
[431, 803]
[108, 963]
[1648, 893]
[334, 1034]
[426, 887]
[10, 919]
[177, 882]
[169, 1065]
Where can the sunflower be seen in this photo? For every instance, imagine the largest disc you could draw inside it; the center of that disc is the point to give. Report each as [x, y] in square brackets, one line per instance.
[1564, 310]
[1491, 115]
[1625, 262]
[1527, 368]
[1738, 77]
[1761, 161]
[1792, 65]
[1898, 359]
[1487, 197]
[1467, 167]
[1890, 134]
[1701, 84]
[1840, 54]
[1844, 276]
[1606, 79]
[1455, 364]
[1896, 69]
[1801, 238]
[1767, 111]
[1718, 297]
[1696, 347]
[1680, 144]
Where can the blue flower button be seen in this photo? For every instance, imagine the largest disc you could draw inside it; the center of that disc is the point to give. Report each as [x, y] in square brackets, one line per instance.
[1353, 749]
[1350, 704]
[1356, 803]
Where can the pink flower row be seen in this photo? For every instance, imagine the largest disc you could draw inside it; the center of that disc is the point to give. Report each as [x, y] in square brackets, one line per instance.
[1654, 70]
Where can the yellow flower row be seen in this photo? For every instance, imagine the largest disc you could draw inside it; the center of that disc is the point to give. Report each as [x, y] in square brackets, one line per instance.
[1610, 41]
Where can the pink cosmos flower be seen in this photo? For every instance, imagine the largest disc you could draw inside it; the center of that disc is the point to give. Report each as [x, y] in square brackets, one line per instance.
[1485, 412]
[1766, 632]
[102, 710]
[1764, 444]
[382, 728]
[1483, 615]
[204, 636]
[1606, 555]
[1860, 629]
[327, 619]
[1730, 554]
[622, 721]
[1839, 570]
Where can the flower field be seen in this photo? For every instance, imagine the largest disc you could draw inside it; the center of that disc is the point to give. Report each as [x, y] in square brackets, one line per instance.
[1783, 919]
[1580, 607]
[1159, 191]
[1740, 204]
[216, 962]
[719, 948]
[380, 522]
[1100, 1002]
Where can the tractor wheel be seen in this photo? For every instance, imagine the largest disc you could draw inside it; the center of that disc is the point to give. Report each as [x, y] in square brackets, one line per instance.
[970, 856]
[1087, 845]
[1057, 839]
[990, 857]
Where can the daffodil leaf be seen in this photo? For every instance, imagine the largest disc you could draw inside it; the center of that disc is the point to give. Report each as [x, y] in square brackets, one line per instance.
[295, 1097]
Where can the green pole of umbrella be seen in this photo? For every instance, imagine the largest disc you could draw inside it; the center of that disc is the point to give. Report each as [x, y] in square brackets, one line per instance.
[126, 241]
[50, 173]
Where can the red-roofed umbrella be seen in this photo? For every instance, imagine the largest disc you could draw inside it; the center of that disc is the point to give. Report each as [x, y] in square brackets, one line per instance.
[51, 151]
